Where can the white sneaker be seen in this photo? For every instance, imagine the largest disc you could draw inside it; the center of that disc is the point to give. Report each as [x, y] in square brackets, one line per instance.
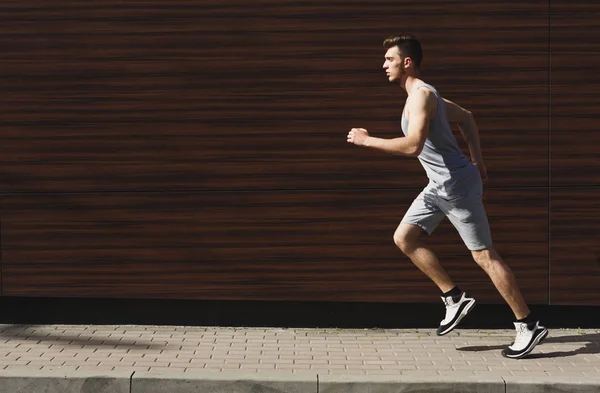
[455, 312]
[525, 341]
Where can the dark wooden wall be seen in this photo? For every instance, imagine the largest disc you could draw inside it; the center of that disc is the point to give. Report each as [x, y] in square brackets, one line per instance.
[196, 149]
[575, 157]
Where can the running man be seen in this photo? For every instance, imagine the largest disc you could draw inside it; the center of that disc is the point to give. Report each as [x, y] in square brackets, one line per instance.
[454, 191]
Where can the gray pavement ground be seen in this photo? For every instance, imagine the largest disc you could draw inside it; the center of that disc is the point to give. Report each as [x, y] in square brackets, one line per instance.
[178, 359]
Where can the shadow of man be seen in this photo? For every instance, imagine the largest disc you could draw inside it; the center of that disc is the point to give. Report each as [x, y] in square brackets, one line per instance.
[591, 346]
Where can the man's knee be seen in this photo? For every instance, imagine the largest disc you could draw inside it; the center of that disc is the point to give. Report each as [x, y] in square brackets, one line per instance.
[486, 257]
[407, 237]
[481, 256]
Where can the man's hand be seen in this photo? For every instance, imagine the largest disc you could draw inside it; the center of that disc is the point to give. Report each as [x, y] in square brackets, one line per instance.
[482, 170]
[358, 136]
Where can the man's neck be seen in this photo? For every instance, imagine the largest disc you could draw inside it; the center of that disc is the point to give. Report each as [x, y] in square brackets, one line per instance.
[410, 82]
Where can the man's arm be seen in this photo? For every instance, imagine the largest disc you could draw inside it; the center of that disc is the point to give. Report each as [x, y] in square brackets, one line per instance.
[468, 128]
[421, 107]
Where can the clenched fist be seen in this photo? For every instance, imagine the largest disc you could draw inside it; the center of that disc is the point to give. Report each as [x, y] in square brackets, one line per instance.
[358, 136]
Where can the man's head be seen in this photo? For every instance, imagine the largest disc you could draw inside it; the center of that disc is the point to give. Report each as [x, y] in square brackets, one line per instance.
[403, 57]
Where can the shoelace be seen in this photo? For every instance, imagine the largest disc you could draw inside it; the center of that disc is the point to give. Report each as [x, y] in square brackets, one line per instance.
[449, 306]
[521, 334]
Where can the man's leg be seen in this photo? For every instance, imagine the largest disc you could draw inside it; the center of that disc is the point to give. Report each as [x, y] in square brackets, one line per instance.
[529, 331]
[408, 239]
[504, 280]
[468, 215]
[425, 215]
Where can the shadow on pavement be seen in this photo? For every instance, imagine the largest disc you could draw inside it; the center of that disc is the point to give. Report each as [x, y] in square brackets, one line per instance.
[88, 340]
[591, 346]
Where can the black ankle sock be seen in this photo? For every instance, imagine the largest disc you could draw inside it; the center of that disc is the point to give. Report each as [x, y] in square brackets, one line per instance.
[530, 320]
[454, 292]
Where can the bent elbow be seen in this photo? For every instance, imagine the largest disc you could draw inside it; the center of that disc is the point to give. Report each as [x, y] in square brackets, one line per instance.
[467, 117]
[415, 151]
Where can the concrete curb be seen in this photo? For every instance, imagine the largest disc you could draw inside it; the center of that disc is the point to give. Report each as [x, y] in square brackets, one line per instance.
[387, 384]
[230, 382]
[551, 385]
[57, 381]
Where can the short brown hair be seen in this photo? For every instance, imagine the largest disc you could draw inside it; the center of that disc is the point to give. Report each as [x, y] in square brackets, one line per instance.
[408, 46]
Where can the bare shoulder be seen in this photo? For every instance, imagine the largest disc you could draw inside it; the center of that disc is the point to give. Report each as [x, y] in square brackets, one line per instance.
[425, 93]
[424, 99]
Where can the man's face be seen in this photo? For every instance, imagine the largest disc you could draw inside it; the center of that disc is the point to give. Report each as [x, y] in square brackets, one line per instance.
[393, 65]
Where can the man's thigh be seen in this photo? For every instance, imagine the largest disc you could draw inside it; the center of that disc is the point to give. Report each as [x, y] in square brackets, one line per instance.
[468, 215]
[424, 212]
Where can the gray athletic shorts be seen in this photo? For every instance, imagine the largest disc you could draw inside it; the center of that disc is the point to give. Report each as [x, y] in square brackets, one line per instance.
[465, 212]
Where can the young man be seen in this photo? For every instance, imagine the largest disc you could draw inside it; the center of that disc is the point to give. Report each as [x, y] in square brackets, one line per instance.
[454, 191]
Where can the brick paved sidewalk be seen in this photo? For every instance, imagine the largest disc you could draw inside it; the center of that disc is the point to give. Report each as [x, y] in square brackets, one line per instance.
[565, 353]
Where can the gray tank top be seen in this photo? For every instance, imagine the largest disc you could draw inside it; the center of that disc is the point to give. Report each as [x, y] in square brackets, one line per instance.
[450, 171]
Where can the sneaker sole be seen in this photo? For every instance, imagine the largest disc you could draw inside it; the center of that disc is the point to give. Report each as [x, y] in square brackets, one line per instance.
[535, 342]
[463, 314]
